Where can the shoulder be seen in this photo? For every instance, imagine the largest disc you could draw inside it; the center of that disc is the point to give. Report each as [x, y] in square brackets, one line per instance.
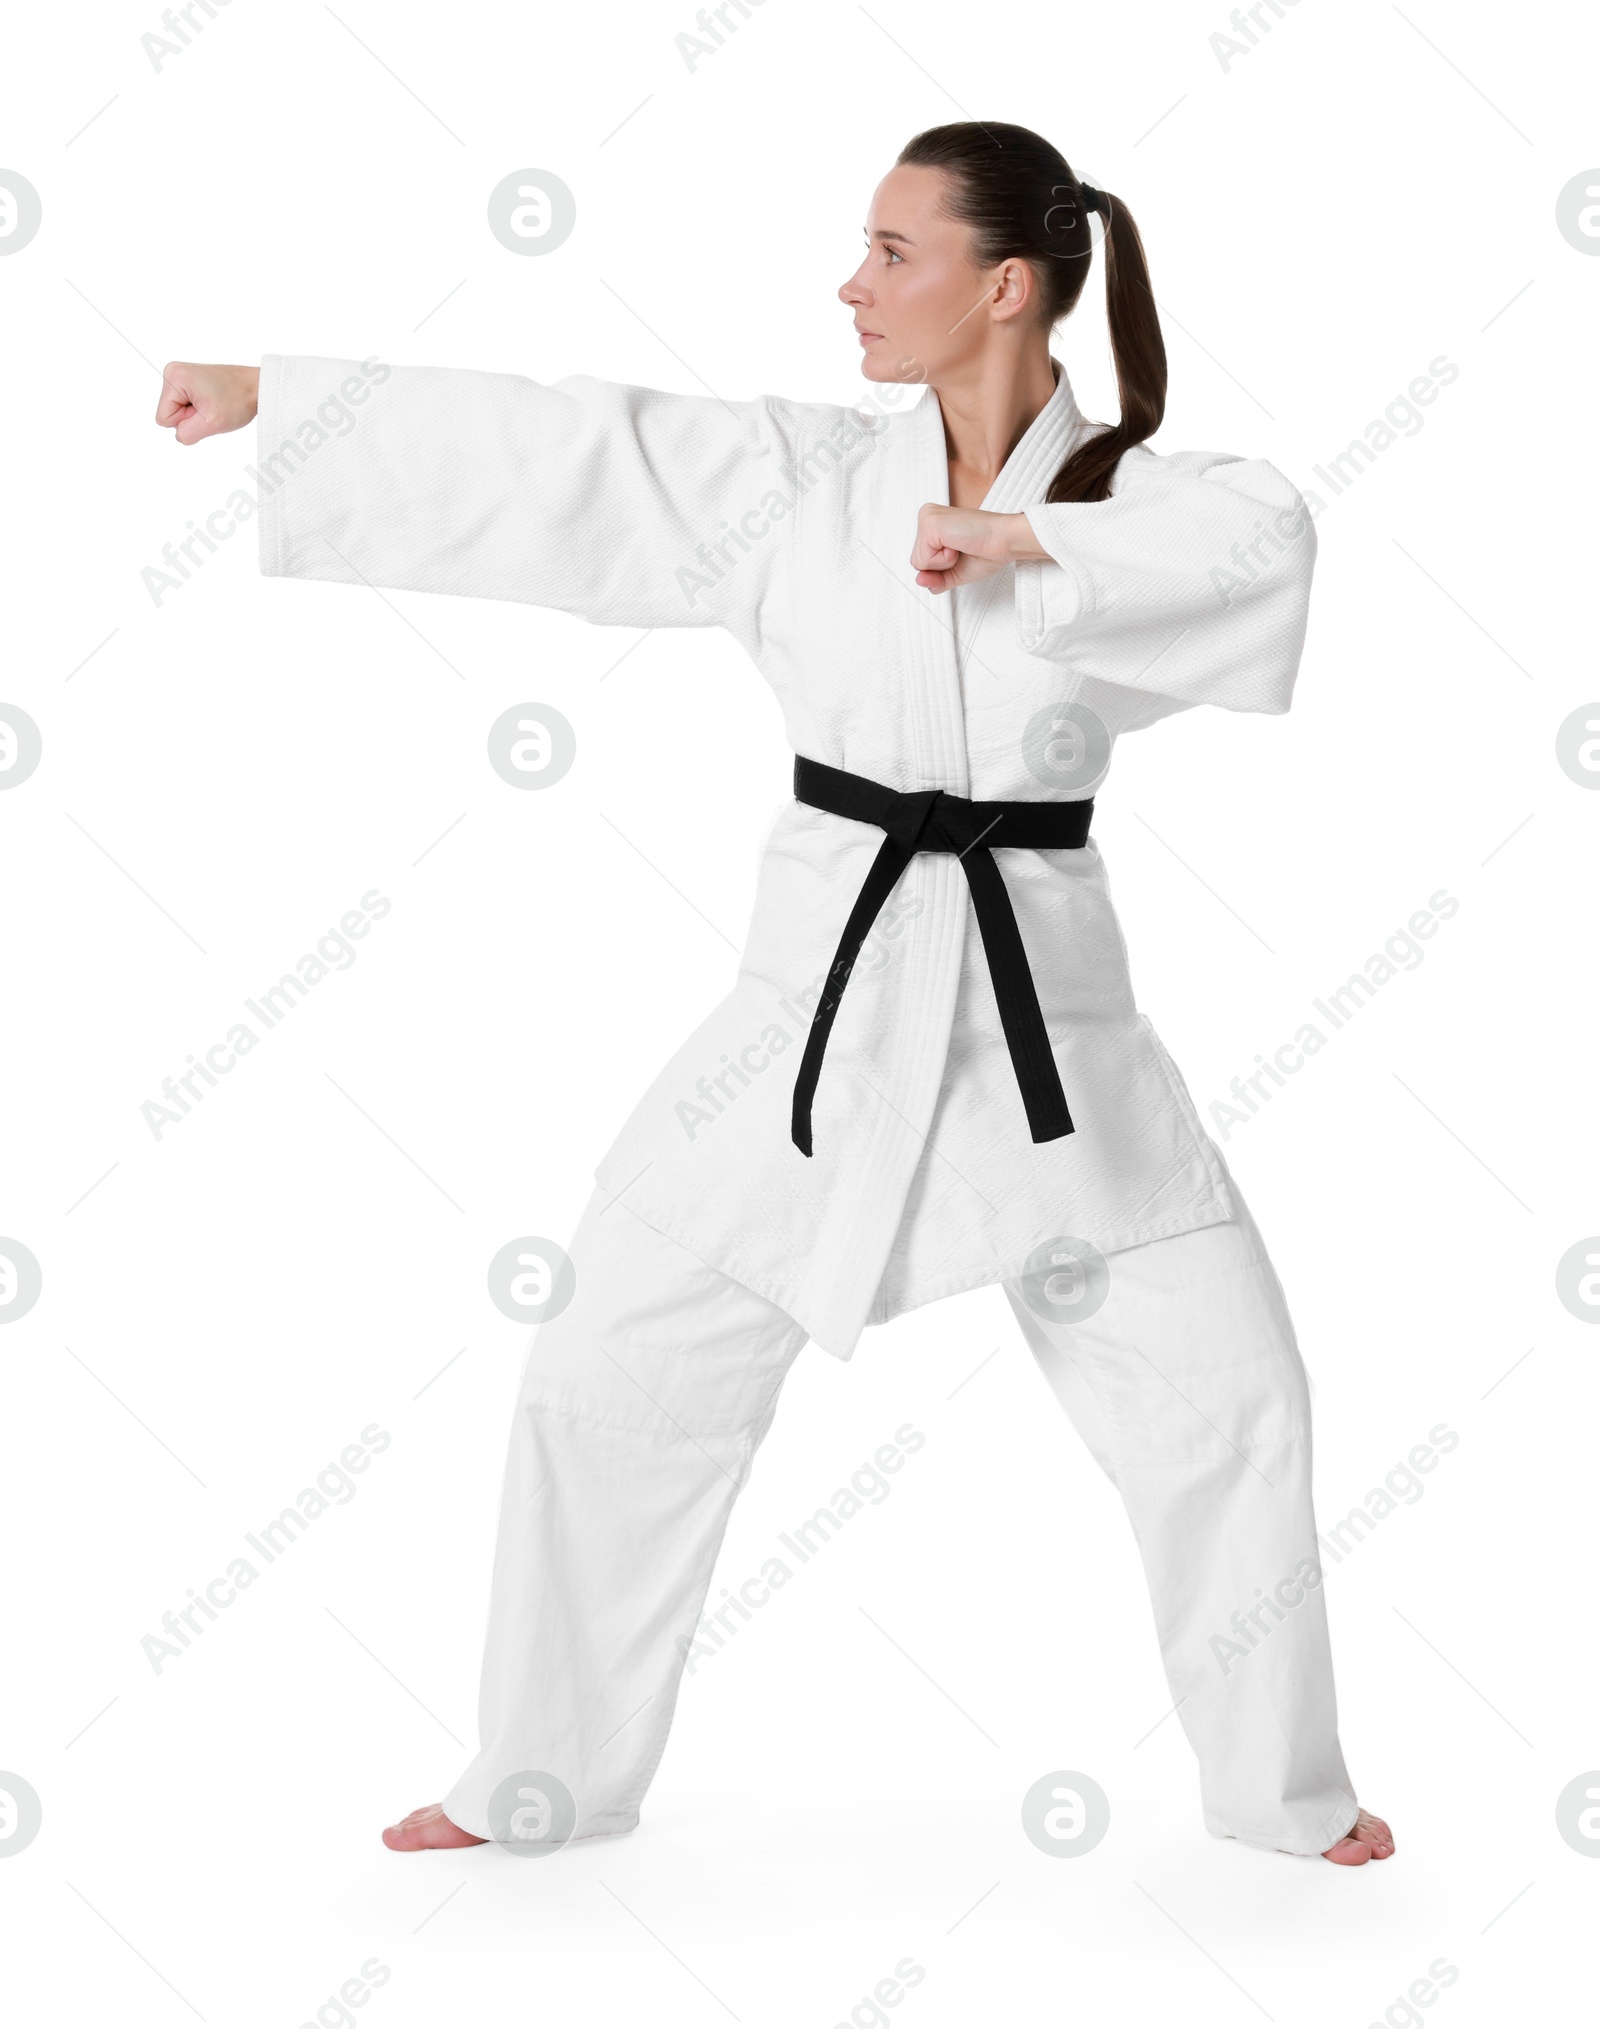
[1141, 470]
[804, 424]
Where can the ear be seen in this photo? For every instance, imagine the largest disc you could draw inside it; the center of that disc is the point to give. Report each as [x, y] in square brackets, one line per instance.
[1015, 291]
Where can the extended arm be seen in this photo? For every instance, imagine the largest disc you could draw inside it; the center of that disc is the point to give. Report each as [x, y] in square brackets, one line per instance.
[625, 505]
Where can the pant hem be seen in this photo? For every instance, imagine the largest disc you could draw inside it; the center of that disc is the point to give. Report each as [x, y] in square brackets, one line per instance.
[479, 1828]
[1331, 1829]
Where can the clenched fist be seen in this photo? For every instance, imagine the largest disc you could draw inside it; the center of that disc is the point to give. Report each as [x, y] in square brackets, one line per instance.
[206, 401]
[959, 545]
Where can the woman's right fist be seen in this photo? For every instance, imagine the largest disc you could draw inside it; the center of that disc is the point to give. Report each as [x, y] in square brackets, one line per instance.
[206, 401]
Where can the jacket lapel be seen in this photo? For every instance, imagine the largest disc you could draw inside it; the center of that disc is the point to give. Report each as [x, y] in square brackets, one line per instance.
[936, 713]
[935, 710]
[1024, 479]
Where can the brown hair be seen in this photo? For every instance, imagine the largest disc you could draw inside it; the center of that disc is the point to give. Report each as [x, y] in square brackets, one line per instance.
[1021, 200]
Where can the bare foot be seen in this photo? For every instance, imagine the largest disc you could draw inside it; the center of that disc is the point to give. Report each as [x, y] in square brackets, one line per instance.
[1369, 1838]
[427, 1831]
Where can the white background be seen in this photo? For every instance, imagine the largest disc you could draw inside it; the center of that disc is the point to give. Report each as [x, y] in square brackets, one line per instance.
[226, 774]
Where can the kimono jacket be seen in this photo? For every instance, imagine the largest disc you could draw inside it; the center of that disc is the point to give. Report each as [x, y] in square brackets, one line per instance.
[790, 524]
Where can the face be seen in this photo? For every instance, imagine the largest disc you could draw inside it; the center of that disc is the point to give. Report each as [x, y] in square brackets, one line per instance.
[922, 310]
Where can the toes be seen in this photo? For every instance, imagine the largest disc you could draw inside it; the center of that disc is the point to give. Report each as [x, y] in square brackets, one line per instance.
[428, 1830]
[1369, 1838]
[1375, 1833]
[412, 1831]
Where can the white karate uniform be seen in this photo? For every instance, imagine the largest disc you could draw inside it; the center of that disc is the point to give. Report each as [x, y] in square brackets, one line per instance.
[713, 1248]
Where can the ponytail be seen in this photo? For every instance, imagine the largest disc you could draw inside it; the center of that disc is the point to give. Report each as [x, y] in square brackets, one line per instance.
[1137, 352]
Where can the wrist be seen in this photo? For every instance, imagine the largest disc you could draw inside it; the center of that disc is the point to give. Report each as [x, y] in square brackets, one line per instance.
[1022, 545]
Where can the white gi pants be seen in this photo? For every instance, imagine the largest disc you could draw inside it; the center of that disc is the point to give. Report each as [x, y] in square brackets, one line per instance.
[640, 1411]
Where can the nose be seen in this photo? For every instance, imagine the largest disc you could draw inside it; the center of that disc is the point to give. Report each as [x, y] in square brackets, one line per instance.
[852, 292]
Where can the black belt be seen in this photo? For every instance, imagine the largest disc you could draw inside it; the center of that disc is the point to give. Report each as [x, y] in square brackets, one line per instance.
[931, 820]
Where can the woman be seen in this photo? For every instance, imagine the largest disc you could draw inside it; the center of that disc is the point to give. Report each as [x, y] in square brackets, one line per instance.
[977, 1099]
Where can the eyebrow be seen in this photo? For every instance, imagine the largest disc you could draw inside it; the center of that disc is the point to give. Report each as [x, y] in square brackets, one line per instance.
[888, 232]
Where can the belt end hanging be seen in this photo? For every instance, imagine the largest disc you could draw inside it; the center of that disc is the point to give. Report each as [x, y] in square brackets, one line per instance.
[1045, 1103]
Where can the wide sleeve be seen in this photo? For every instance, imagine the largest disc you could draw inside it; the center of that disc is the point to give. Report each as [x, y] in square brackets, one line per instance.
[628, 506]
[1191, 582]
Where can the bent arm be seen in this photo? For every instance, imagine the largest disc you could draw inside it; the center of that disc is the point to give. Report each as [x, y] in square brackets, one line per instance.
[1193, 581]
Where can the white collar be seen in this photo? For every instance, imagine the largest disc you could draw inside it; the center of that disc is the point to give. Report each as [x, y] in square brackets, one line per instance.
[1035, 459]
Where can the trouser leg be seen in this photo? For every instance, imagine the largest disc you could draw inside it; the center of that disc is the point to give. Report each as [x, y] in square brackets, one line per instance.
[638, 1417]
[1188, 1387]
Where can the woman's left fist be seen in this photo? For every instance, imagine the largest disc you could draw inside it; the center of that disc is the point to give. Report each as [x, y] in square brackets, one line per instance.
[959, 545]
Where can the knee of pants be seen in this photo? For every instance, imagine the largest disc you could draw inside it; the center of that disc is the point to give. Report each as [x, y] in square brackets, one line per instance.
[656, 1341]
[1195, 1358]
[1174, 1415]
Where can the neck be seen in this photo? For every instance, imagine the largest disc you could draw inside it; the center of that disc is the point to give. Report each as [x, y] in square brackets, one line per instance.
[986, 408]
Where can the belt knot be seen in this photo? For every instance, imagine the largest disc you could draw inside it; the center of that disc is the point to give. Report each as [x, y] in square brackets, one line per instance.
[908, 816]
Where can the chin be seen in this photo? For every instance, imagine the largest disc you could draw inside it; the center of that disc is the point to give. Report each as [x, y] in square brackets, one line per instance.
[899, 369]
